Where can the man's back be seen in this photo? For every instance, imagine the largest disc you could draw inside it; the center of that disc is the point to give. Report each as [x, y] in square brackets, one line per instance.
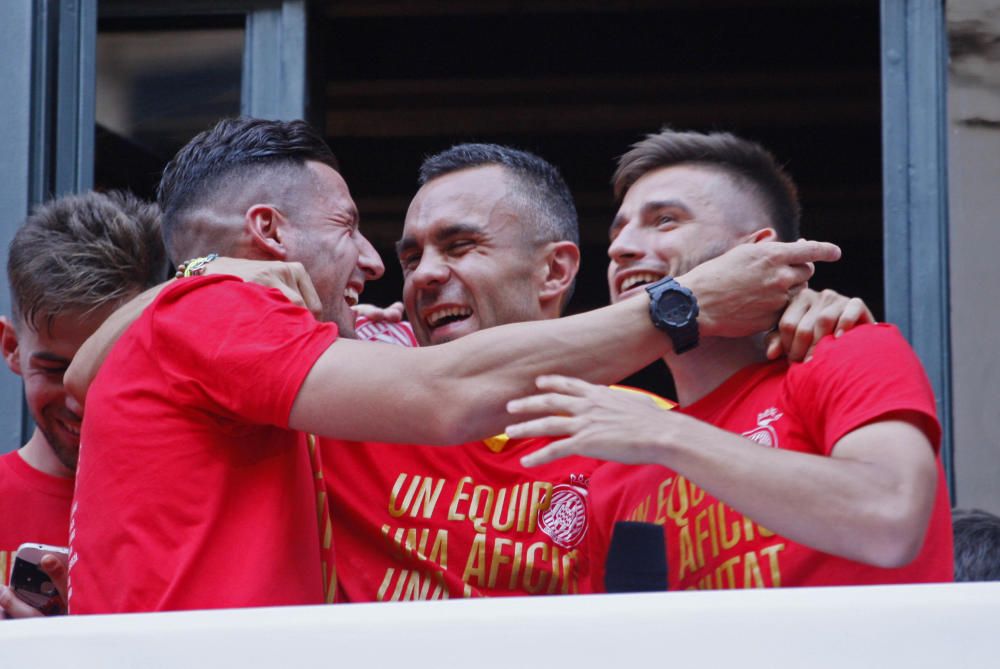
[191, 492]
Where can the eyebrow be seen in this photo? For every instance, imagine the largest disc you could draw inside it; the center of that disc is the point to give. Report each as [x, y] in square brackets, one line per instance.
[647, 209]
[49, 357]
[409, 242]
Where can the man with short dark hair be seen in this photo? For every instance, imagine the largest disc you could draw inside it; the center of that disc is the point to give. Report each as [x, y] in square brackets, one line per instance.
[233, 377]
[490, 238]
[72, 262]
[832, 475]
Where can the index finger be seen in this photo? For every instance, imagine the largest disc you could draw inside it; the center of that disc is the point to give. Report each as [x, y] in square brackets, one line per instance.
[806, 251]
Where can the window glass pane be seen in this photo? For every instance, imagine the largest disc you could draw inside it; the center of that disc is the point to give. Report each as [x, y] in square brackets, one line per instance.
[155, 90]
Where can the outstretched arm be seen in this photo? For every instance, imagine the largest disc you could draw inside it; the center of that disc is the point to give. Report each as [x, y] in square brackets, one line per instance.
[458, 391]
[869, 501]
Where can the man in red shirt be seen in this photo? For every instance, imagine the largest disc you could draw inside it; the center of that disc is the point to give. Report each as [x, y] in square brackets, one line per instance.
[72, 262]
[195, 449]
[823, 472]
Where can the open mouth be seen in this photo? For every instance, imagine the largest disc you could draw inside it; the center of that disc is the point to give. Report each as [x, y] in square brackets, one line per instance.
[638, 279]
[446, 316]
[72, 429]
[351, 296]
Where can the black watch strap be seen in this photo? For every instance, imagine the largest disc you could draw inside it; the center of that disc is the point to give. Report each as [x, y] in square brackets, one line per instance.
[674, 309]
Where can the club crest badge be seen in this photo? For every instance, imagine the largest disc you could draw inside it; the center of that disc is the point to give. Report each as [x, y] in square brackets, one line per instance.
[566, 520]
[764, 434]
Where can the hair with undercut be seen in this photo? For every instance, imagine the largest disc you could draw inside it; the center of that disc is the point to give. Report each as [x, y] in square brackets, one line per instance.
[235, 150]
[750, 166]
[537, 183]
[82, 252]
[977, 545]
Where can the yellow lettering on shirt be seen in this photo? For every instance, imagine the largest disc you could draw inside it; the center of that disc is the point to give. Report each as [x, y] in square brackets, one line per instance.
[662, 497]
[420, 499]
[537, 552]
[541, 499]
[772, 553]
[481, 506]
[475, 565]
[677, 502]
[688, 564]
[751, 571]
[460, 496]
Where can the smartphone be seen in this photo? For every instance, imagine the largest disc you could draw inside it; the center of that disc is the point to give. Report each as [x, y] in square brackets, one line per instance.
[31, 584]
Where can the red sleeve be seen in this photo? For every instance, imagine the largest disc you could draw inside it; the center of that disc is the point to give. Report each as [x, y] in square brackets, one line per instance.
[851, 381]
[235, 349]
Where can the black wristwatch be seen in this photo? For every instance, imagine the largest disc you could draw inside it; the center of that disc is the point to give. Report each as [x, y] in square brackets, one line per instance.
[674, 310]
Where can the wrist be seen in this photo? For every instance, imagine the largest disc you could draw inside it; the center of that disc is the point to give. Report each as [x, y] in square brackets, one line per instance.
[702, 289]
[673, 308]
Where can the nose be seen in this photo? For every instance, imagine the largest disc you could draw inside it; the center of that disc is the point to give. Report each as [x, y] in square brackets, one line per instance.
[627, 246]
[368, 259]
[430, 271]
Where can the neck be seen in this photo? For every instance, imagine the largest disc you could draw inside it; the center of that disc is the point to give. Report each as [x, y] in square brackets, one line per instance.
[39, 455]
[702, 370]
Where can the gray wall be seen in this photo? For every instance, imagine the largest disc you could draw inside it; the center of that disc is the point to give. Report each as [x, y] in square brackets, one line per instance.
[974, 181]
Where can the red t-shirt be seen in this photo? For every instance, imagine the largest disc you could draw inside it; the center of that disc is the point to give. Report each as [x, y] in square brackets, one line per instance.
[427, 522]
[191, 490]
[34, 507]
[866, 374]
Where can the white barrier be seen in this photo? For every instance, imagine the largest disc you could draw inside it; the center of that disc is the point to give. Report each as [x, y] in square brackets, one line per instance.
[939, 626]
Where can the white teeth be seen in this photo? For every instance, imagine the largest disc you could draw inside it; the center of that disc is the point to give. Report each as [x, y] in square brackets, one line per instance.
[435, 317]
[636, 279]
[351, 296]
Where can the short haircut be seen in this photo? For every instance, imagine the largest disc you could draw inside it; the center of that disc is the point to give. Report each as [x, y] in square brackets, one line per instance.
[977, 545]
[235, 150]
[536, 182]
[748, 164]
[79, 253]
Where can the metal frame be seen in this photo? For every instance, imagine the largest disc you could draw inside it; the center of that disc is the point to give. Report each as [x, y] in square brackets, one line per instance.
[275, 76]
[915, 162]
[48, 138]
[275, 71]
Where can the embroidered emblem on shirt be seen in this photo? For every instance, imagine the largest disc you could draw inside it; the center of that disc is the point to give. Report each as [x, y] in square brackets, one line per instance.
[566, 521]
[764, 434]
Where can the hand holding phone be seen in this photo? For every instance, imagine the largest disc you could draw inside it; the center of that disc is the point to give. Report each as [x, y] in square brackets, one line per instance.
[32, 584]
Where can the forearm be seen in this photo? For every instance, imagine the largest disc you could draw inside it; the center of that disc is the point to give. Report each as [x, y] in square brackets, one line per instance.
[488, 368]
[869, 511]
[458, 391]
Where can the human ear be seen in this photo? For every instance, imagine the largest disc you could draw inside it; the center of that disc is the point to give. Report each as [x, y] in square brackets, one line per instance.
[9, 345]
[562, 262]
[265, 226]
[763, 235]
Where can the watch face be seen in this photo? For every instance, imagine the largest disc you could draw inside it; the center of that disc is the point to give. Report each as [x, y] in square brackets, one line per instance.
[676, 309]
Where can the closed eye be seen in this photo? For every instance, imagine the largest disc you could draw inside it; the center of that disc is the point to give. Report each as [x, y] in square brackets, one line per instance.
[460, 246]
[409, 262]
